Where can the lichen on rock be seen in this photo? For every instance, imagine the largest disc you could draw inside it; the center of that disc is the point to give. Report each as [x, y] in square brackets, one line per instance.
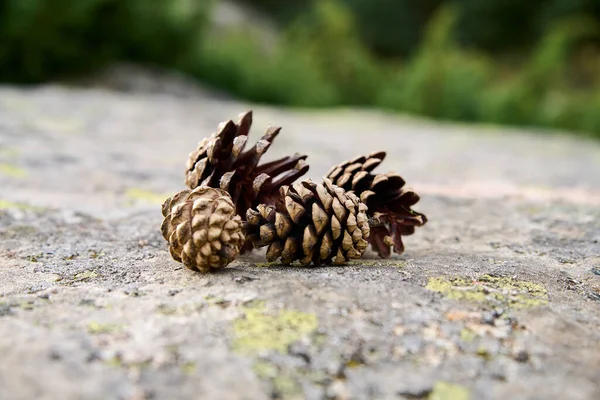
[261, 329]
[502, 291]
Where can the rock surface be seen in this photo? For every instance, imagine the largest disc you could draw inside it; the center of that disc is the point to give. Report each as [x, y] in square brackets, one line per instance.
[498, 296]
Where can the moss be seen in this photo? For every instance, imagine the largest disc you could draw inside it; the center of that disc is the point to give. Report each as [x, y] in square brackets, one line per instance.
[262, 330]
[147, 196]
[507, 292]
[12, 171]
[96, 328]
[449, 391]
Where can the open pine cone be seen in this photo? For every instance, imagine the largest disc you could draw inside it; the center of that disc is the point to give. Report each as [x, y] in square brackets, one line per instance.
[220, 162]
[318, 223]
[386, 197]
[202, 229]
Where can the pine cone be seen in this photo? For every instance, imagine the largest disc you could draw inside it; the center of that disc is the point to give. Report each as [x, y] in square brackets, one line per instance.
[316, 223]
[202, 229]
[388, 201]
[220, 162]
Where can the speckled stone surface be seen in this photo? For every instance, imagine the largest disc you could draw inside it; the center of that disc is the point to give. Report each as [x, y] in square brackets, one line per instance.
[498, 296]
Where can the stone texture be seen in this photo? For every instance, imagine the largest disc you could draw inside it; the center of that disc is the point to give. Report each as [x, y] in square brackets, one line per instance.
[93, 307]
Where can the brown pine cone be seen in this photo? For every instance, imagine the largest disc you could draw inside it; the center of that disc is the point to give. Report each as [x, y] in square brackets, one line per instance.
[220, 162]
[318, 223]
[202, 229]
[388, 200]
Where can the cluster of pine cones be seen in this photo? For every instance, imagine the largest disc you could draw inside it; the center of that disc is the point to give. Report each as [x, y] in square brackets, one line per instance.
[235, 203]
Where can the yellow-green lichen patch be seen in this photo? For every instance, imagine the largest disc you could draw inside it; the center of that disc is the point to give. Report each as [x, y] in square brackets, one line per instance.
[449, 391]
[264, 370]
[27, 305]
[60, 125]
[179, 310]
[166, 309]
[284, 384]
[12, 171]
[117, 362]
[260, 329]
[505, 292]
[376, 263]
[9, 152]
[147, 196]
[96, 328]
[287, 388]
[8, 205]
[467, 335]
[188, 368]
[266, 264]
[83, 276]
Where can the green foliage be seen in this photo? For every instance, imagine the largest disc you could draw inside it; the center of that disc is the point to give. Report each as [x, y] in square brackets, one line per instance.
[42, 39]
[336, 53]
[394, 27]
[238, 63]
[441, 81]
[539, 93]
[319, 62]
[328, 37]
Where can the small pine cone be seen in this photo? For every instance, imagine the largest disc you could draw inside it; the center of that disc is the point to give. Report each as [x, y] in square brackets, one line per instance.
[202, 229]
[388, 200]
[318, 223]
[220, 162]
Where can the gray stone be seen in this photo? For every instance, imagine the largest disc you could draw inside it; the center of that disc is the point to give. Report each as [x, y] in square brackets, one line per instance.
[92, 306]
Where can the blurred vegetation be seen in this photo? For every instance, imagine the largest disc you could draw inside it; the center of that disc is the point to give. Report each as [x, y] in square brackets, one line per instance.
[499, 61]
[46, 39]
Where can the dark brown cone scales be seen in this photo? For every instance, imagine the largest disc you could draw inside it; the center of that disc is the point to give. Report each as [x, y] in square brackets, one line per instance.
[202, 229]
[388, 200]
[315, 223]
[220, 161]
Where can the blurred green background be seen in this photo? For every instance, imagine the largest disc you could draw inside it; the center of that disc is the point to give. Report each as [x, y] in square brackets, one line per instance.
[526, 63]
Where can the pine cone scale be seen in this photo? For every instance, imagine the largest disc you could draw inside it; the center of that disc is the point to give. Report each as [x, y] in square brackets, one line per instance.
[202, 229]
[281, 165]
[317, 224]
[245, 123]
[386, 198]
[221, 161]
